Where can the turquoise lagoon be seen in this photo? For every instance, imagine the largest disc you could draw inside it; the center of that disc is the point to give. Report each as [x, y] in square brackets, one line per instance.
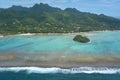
[101, 44]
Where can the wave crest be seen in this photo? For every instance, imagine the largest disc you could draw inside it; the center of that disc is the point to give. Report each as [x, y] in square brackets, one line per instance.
[87, 70]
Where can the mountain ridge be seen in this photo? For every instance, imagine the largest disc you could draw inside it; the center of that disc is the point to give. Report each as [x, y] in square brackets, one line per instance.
[42, 18]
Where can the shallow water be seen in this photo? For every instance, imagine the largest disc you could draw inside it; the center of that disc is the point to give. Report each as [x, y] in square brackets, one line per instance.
[101, 44]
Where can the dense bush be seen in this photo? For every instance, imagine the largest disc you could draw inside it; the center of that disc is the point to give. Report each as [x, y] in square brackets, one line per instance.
[80, 38]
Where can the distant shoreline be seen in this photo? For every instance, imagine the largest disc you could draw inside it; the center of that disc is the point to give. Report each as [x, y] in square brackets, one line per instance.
[30, 34]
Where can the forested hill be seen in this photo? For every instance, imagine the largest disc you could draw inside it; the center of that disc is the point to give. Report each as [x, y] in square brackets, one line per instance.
[44, 18]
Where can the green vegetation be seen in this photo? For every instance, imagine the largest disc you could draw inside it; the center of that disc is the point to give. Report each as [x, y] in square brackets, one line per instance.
[80, 38]
[42, 18]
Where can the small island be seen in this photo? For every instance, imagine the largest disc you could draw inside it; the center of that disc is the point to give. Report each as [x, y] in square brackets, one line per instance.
[80, 38]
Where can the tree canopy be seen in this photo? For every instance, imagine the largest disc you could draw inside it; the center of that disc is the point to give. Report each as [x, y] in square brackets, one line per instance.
[42, 18]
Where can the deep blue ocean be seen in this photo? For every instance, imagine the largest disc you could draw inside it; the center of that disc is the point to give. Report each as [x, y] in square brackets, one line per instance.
[24, 76]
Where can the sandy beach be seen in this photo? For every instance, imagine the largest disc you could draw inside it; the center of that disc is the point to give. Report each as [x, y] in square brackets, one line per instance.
[75, 33]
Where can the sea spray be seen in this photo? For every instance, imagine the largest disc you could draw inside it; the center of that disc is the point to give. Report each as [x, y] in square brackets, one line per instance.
[54, 70]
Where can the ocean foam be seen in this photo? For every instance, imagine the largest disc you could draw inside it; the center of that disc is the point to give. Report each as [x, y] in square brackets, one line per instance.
[87, 70]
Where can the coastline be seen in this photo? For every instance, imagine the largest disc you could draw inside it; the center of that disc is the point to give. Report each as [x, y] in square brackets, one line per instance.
[30, 34]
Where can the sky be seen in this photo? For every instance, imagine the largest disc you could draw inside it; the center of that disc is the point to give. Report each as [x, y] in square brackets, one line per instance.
[107, 7]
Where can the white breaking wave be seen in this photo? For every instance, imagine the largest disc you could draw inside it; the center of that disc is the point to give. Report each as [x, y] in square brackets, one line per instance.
[87, 70]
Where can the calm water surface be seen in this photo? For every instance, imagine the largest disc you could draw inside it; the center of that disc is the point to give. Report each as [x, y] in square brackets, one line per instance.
[101, 44]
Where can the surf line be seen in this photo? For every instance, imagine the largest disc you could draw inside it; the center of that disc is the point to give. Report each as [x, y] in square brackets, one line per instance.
[88, 70]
